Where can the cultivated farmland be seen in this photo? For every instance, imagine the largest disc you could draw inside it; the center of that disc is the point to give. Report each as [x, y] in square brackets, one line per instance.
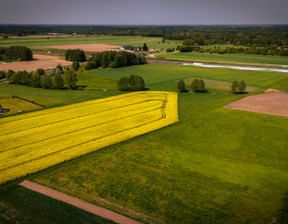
[35, 141]
[39, 61]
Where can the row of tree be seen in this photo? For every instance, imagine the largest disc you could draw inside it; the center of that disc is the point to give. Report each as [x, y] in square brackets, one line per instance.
[253, 50]
[75, 55]
[19, 53]
[132, 83]
[198, 86]
[42, 80]
[114, 59]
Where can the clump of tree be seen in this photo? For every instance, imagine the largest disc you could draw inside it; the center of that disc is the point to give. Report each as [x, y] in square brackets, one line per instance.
[2, 75]
[198, 86]
[132, 83]
[34, 79]
[40, 71]
[237, 88]
[9, 74]
[181, 86]
[75, 55]
[76, 65]
[145, 47]
[170, 50]
[188, 48]
[114, 59]
[16, 53]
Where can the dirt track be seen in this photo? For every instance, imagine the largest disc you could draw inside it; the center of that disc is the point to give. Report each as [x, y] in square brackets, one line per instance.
[87, 47]
[267, 103]
[39, 61]
[105, 213]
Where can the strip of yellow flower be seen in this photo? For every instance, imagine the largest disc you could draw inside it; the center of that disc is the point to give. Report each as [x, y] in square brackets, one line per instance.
[114, 119]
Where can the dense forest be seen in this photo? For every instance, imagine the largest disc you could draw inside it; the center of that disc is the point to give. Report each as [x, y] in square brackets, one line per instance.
[246, 35]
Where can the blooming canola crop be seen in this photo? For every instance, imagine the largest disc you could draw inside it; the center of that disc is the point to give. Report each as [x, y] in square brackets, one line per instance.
[35, 141]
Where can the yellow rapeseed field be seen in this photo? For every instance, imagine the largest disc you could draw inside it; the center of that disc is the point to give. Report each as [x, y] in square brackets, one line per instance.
[35, 141]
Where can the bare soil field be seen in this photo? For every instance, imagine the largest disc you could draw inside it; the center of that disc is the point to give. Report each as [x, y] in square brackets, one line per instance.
[274, 103]
[39, 61]
[87, 47]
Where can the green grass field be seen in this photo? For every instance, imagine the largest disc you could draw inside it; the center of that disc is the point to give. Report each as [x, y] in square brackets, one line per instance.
[152, 42]
[15, 104]
[216, 165]
[237, 58]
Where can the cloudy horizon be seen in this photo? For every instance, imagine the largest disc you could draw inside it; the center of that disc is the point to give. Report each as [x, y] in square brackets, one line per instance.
[149, 12]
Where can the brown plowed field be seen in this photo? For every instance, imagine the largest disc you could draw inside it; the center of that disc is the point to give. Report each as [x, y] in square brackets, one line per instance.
[39, 61]
[87, 47]
[267, 103]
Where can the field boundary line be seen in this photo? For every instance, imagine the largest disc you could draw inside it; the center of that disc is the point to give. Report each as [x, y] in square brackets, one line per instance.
[76, 202]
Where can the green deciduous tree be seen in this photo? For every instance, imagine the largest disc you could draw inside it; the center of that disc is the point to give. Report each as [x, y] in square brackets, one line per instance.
[70, 78]
[242, 86]
[36, 80]
[2, 75]
[59, 66]
[76, 65]
[40, 71]
[201, 87]
[181, 86]
[9, 74]
[58, 82]
[234, 87]
[46, 82]
[145, 47]
[123, 84]
[195, 85]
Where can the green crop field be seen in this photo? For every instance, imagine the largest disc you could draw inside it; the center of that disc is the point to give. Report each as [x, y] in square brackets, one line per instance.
[20, 205]
[216, 165]
[237, 58]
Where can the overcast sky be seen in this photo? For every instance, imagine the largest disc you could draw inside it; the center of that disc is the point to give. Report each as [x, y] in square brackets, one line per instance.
[144, 12]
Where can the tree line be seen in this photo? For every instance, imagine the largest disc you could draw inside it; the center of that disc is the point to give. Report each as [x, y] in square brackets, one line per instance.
[39, 79]
[228, 50]
[260, 35]
[75, 55]
[16, 53]
[114, 59]
[198, 86]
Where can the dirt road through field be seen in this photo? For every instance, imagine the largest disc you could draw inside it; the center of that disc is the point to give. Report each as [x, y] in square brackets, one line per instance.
[105, 213]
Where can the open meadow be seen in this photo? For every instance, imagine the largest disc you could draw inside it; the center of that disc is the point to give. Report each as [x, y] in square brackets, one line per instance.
[236, 58]
[216, 165]
[45, 43]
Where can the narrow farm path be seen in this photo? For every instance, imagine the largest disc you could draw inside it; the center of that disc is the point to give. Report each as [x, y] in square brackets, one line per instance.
[105, 213]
